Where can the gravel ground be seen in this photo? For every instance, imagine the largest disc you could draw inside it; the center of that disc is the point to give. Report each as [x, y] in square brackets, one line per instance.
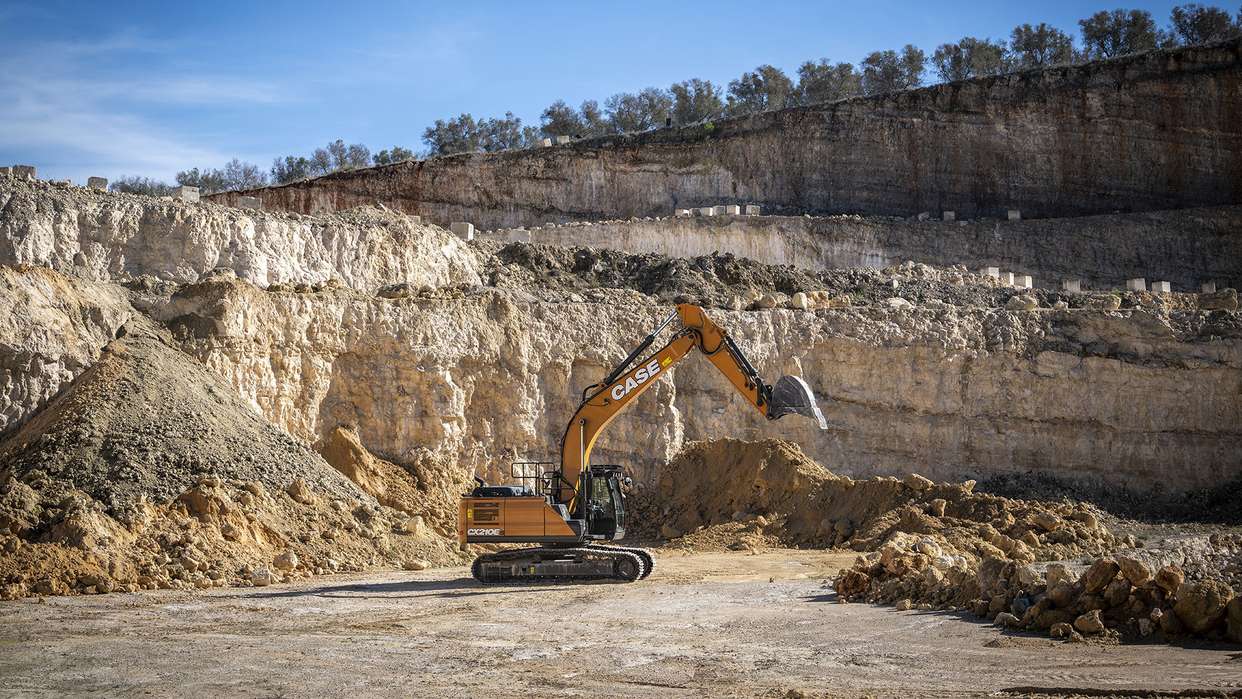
[703, 625]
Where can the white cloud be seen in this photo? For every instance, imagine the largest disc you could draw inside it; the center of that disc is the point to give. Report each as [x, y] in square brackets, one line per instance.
[57, 100]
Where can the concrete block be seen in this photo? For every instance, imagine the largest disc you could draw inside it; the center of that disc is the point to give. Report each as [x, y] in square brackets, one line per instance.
[733, 210]
[545, 143]
[249, 203]
[752, 210]
[1136, 284]
[1023, 281]
[682, 213]
[1015, 215]
[707, 211]
[924, 215]
[993, 272]
[1161, 287]
[1074, 286]
[949, 216]
[462, 230]
[25, 172]
[97, 183]
[1208, 287]
[1006, 278]
[186, 193]
[562, 140]
[718, 210]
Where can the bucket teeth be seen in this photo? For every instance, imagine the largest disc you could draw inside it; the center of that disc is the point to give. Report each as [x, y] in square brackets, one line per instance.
[792, 395]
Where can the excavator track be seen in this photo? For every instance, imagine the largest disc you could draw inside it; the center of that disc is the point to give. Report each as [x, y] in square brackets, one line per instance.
[555, 564]
[648, 560]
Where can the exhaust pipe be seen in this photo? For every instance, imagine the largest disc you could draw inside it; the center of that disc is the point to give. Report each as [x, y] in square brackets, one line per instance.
[792, 396]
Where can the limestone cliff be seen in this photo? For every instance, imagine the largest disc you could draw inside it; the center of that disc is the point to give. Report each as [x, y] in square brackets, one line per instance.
[1158, 130]
[1138, 398]
[116, 236]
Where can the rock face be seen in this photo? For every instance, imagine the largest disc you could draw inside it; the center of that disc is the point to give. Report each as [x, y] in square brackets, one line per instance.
[1185, 247]
[1101, 131]
[53, 328]
[960, 391]
[114, 236]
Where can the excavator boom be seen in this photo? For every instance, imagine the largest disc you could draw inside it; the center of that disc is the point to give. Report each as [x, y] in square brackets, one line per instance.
[579, 503]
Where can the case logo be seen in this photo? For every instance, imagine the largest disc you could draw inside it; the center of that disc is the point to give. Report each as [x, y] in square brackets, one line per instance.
[639, 378]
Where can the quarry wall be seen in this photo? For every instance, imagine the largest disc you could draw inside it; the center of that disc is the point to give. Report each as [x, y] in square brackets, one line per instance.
[1186, 247]
[1121, 398]
[1158, 130]
[107, 236]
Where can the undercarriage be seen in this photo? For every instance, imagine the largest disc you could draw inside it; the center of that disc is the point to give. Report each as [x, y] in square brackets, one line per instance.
[570, 563]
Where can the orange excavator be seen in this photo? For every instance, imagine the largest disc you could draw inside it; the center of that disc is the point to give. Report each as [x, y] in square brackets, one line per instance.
[568, 510]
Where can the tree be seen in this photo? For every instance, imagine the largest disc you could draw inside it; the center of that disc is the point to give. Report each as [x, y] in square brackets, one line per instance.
[494, 135]
[140, 185]
[969, 58]
[632, 112]
[694, 100]
[234, 175]
[457, 135]
[1195, 24]
[560, 119]
[291, 169]
[767, 87]
[243, 175]
[887, 71]
[396, 155]
[592, 118]
[1039, 46]
[1116, 33]
[826, 82]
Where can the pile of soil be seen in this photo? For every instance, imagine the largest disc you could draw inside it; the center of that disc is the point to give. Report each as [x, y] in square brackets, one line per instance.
[149, 472]
[774, 486]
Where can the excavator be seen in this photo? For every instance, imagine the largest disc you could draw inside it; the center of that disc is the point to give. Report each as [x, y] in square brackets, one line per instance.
[569, 509]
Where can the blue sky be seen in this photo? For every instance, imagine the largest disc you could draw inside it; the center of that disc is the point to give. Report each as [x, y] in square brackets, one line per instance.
[148, 88]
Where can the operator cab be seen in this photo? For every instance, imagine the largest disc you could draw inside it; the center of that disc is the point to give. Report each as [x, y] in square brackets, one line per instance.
[604, 502]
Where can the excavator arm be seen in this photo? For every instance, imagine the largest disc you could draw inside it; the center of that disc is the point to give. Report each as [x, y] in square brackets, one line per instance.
[604, 401]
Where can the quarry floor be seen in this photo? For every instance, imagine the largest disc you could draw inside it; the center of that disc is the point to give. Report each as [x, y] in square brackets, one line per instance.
[706, 624]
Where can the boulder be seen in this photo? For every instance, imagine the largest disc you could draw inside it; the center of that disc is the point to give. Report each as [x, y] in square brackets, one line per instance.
[800, 301]
[1135, 570]
[261, 577]
[1006, 620]
[285, 561]
[1061, 630]
[1046, 520]
[416, 564]
[918, 483]
[1090, 623]
[300, 492]
[1201, 605]
[1170, 578]
[1058, 572]
[1022, 302]
[1099, 575]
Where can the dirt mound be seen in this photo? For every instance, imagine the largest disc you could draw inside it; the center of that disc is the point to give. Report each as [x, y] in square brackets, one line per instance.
[147, 422]
[148, 472]
[771, 484]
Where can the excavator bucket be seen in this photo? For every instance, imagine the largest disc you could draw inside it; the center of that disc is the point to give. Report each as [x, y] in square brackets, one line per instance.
[792, 395]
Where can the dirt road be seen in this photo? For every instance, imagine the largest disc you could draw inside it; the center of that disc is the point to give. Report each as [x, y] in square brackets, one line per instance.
[696, 628]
